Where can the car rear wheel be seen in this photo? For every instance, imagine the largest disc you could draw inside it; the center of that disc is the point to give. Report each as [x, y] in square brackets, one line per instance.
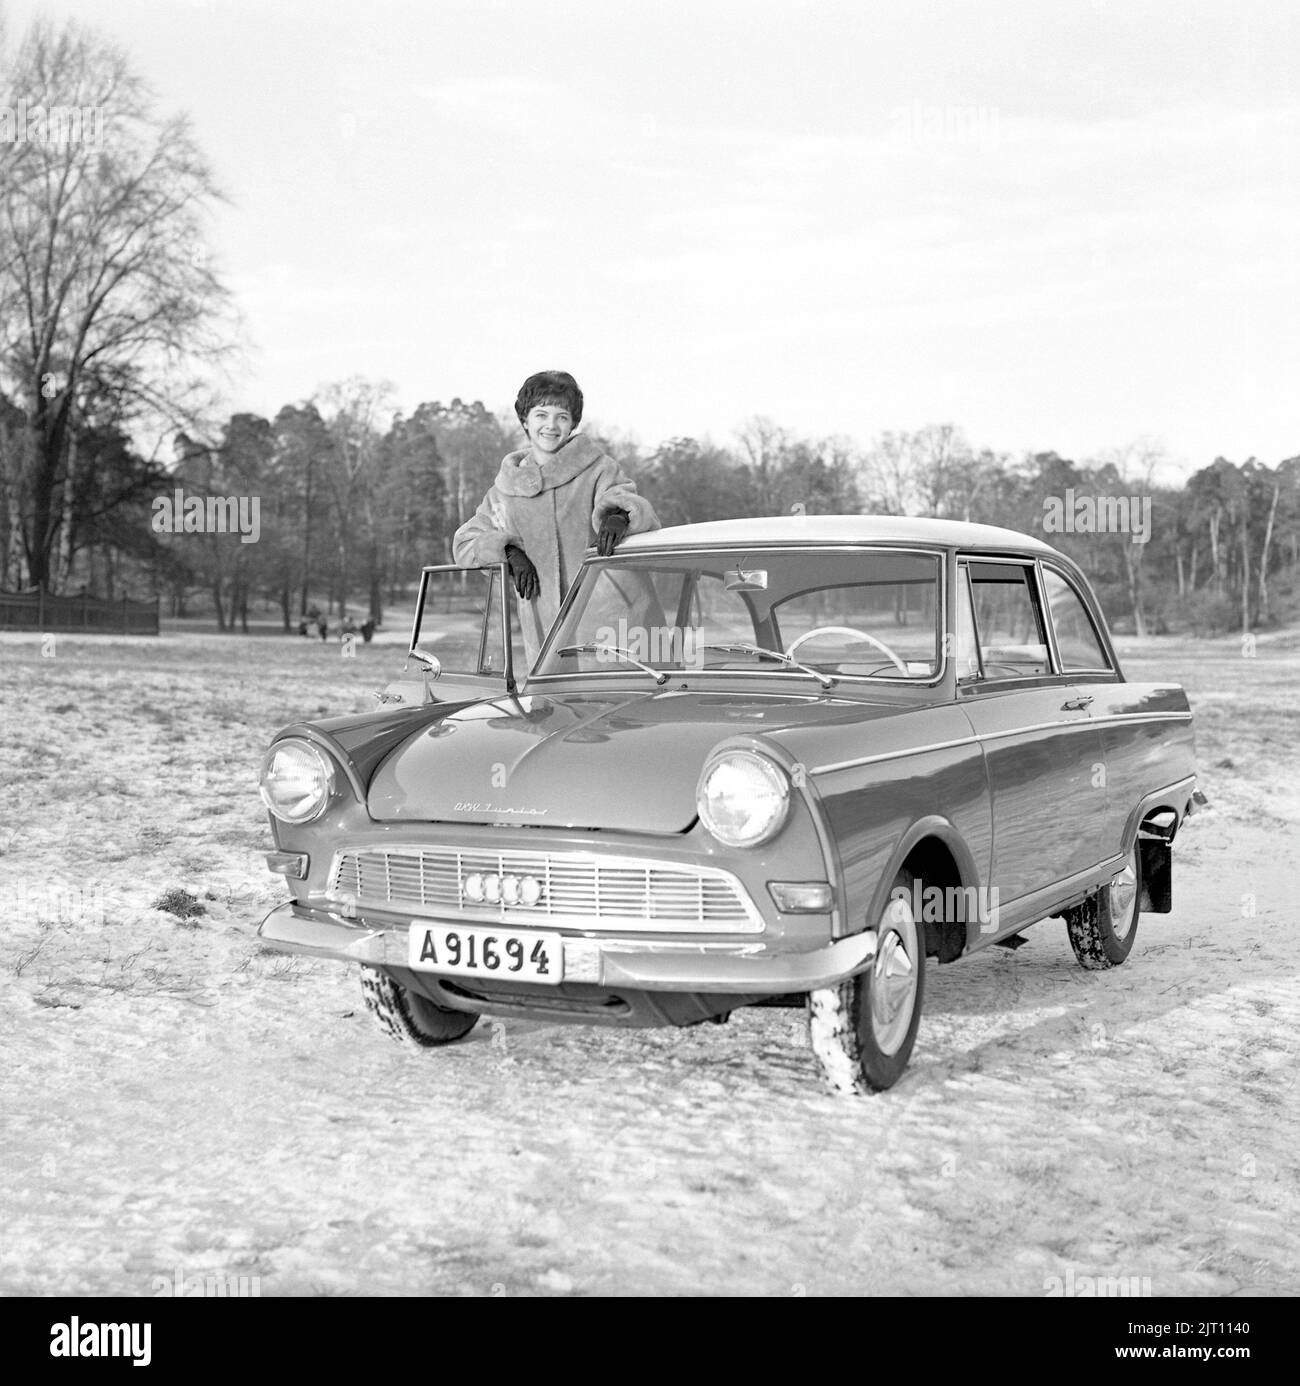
[1103, 927]
[862, 1030]
[407, 1016]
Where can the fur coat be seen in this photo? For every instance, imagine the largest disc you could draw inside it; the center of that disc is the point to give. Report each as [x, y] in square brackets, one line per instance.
[551, 511]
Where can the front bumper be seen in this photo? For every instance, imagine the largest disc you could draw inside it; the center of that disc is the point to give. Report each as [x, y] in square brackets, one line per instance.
[746, 968]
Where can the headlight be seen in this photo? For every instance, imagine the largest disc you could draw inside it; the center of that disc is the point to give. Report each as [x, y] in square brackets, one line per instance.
[297, 780]
[743, 798]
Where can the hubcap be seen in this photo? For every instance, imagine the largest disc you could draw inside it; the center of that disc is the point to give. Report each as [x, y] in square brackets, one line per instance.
[1123, 901]
[893, 977]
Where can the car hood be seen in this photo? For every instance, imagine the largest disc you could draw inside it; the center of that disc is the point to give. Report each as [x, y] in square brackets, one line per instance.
[624, 761]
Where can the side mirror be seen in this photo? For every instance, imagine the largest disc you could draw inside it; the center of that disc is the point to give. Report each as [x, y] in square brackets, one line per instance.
[471, 631]
[431, 662]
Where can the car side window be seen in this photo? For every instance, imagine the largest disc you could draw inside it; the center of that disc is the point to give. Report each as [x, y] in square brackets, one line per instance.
[1012, 642]
[1077, 641]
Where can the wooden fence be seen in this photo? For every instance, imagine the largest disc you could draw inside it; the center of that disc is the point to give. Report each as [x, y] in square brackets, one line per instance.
[44, 611]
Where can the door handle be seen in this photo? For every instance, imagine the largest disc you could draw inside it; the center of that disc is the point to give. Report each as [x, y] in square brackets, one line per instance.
[1076, 704]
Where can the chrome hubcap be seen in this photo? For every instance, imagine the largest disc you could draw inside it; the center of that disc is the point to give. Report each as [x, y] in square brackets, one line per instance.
[1123, 901]
[893, 977]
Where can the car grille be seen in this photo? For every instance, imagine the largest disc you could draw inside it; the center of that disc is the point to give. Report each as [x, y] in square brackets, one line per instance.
[580, 890]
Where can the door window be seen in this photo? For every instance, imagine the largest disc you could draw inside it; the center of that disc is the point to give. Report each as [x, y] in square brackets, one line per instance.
[1012, 643]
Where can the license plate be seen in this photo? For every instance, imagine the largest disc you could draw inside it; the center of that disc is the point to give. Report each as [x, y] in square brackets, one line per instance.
[513, 955]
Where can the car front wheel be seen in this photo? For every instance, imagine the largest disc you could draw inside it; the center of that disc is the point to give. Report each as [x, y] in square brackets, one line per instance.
[1103, 927]
[407, 1016]
[862, 1030]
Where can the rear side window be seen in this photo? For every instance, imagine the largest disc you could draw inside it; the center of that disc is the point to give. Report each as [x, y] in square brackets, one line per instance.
[1012, 643]
[1077, 641]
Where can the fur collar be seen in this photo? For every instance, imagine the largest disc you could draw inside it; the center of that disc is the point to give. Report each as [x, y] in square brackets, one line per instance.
[520, 474]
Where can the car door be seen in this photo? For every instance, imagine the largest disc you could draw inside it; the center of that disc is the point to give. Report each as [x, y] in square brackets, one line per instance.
[465, 640]
[1043, 753]
[1143, 726]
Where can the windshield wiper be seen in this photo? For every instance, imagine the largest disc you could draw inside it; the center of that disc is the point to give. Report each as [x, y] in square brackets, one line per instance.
[824, 679]
[593, 647]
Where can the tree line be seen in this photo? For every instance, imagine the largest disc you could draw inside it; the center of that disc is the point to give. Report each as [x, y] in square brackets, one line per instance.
[112, 317]
[353, 497]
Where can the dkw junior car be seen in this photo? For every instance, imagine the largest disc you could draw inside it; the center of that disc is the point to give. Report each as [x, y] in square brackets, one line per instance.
[757, 762]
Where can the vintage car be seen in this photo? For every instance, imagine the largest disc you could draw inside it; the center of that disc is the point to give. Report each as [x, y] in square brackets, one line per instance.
[757, 762]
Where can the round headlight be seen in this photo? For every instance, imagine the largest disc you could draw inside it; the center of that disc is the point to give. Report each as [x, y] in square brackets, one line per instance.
[297, 781]
[743, 798]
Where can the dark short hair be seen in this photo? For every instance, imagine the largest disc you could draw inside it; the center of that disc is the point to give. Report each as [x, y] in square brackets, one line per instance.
[549, 387]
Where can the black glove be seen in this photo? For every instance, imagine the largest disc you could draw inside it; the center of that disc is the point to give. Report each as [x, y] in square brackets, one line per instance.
[527, 583]
[613, 526]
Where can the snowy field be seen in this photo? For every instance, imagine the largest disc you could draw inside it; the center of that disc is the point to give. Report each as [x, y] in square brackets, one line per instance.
[178, 1103]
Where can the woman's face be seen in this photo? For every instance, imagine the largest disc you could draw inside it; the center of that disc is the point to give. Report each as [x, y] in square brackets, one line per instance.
[549, 427]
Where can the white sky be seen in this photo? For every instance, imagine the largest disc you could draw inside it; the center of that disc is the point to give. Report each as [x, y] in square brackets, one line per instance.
[1058, 225]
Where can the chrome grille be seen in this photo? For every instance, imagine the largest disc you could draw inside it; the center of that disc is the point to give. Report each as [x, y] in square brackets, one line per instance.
[581, 890]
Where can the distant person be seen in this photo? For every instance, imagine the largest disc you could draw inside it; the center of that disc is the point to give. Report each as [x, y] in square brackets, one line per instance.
[550, 502]
[368, 629]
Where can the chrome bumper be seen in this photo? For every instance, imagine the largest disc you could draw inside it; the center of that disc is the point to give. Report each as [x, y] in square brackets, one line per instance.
[746, 968]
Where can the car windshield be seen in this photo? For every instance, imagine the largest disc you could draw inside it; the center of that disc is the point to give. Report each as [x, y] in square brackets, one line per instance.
[802, 612]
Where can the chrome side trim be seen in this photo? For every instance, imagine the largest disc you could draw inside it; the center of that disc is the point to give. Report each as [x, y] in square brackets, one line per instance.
[832, 766]
[1117, 719]
[1121, 718]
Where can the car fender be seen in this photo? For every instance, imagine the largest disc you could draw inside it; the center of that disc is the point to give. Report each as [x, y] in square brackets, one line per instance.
[933, 826]
[802, 784]
[361, 743]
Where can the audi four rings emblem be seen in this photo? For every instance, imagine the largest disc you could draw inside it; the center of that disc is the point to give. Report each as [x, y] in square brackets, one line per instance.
[494, 889]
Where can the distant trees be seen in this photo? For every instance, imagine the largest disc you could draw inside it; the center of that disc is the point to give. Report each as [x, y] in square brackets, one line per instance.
[105, 289]
[773, 472]
[688, 481]
[355, 498]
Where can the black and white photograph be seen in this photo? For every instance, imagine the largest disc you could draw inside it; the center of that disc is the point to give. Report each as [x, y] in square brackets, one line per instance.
[650, 650]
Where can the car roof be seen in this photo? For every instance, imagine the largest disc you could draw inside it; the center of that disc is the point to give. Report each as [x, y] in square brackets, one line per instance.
[837, 529]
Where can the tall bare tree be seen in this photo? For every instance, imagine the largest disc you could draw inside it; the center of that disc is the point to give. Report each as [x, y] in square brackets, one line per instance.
[1129, 470]
[106, 293]
[357, 414]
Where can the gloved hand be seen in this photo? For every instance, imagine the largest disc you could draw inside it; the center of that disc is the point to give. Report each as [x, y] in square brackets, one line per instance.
[613, 526]
[527, 583]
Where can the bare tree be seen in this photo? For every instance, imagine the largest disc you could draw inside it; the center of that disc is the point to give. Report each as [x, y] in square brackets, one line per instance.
[1131, 468]
[106, 295]
[765, 446]
[357, 414]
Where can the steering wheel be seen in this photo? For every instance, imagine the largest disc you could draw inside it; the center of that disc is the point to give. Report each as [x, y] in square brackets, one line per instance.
[849, 630]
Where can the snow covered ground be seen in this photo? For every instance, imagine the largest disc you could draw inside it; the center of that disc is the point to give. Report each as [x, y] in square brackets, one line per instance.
[178, 1103]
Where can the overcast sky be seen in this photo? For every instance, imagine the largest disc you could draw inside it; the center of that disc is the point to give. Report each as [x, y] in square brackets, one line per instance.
[1058, 225]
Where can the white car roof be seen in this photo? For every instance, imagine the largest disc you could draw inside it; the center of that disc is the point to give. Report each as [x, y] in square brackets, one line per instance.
[836, 529]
